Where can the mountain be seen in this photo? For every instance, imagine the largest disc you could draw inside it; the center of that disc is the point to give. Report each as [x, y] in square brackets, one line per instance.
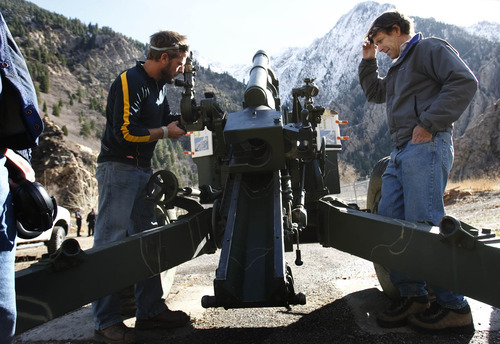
[477, 152]
[332, 60]
[488, 30]
[73, 64]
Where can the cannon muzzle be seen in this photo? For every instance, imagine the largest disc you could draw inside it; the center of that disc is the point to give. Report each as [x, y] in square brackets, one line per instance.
[262, 88]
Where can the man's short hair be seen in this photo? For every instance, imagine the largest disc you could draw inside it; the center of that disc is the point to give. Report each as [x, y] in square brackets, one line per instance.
[387, 20]
[169, 42]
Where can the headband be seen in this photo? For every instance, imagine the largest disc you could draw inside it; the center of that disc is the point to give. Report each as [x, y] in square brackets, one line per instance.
[181, 47]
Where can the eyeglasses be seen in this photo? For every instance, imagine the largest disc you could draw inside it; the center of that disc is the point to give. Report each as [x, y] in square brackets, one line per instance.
[180, 47]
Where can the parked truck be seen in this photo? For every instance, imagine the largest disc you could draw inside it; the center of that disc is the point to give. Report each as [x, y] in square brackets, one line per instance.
[52, 237]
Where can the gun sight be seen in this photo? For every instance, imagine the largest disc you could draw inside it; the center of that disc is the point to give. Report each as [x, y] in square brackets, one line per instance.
[309, 90]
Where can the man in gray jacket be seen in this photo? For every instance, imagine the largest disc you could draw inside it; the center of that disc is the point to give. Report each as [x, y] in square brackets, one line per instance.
[426, 89]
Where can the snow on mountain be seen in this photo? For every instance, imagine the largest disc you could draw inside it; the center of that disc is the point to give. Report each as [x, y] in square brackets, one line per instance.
[488, 30]
[328, 59]
[331, 60]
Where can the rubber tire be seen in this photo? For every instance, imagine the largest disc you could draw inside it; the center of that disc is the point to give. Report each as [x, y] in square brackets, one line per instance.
[373, 197]
[374, 193]
[56, 239]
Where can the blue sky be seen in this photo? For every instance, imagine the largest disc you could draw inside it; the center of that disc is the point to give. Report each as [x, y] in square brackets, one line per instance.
[231, 31]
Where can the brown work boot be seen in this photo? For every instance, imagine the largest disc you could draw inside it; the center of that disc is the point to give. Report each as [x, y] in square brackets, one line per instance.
[397, 313]
[438, 319]
[117, 333]
[165, 320]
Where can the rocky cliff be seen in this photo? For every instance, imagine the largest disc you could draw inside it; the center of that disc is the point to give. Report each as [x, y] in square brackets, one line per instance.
[82, 61]
[66, 172]
[477, 151]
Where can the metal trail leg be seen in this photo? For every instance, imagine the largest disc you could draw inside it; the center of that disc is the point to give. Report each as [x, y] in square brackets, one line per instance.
[52, 288]
[252, 271]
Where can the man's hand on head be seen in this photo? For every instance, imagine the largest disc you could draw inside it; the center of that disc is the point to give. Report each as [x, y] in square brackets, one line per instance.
[369, 50]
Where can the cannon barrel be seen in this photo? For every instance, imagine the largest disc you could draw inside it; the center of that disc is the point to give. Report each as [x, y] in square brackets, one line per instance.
[262, 87]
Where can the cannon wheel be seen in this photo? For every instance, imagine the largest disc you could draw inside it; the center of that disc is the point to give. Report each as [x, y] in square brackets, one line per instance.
[56, 239]
[372, 200]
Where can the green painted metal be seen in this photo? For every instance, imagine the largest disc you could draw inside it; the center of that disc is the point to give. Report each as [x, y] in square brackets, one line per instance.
[52, 288]
[256, 136]
[251, 271]
[460, 262]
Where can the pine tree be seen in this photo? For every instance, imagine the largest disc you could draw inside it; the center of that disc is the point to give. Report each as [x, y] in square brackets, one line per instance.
[43, 79]
[56, 111]
[85, 129]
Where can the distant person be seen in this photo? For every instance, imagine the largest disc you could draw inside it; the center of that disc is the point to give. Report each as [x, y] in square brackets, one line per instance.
[91, 218]
[20, 128]
[78, 217]
[426, 89]
[137, 116]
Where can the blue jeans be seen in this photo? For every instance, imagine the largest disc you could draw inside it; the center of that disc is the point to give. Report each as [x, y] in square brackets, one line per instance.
[123, 211]
[412, 189]
[8, 230]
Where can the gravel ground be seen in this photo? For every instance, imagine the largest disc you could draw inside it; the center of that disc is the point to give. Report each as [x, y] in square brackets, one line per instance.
[342, 296]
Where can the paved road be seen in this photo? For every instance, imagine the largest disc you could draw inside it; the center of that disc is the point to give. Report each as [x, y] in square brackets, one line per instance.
[343, 295]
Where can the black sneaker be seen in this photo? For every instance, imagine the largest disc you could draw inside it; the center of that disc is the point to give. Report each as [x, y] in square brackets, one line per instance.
[167, 319]
[438, 319]
[398, 312]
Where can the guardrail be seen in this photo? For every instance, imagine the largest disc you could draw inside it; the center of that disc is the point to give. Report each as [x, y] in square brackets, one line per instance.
[355, 192]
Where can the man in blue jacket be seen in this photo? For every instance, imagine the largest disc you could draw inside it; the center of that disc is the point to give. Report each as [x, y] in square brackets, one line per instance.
[426, 89]
[20, 126]
[137, 116]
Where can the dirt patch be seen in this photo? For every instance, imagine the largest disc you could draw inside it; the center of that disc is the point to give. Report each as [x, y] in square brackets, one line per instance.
[478, 209]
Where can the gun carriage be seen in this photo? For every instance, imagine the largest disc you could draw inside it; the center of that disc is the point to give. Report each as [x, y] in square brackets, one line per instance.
[269, 184]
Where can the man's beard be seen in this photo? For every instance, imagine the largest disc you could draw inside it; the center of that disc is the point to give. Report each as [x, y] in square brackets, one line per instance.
[166, 76]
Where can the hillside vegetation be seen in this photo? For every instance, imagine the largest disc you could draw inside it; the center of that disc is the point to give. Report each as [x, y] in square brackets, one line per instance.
[73, 65]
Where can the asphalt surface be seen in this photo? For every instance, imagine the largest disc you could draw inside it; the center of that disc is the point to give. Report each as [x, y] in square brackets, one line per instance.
[343, 295]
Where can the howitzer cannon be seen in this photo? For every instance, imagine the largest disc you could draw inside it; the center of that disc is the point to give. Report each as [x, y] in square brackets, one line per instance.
[273, 166]
[269, 184]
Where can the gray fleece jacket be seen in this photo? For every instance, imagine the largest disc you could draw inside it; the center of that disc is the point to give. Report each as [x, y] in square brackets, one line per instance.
[429, 85]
